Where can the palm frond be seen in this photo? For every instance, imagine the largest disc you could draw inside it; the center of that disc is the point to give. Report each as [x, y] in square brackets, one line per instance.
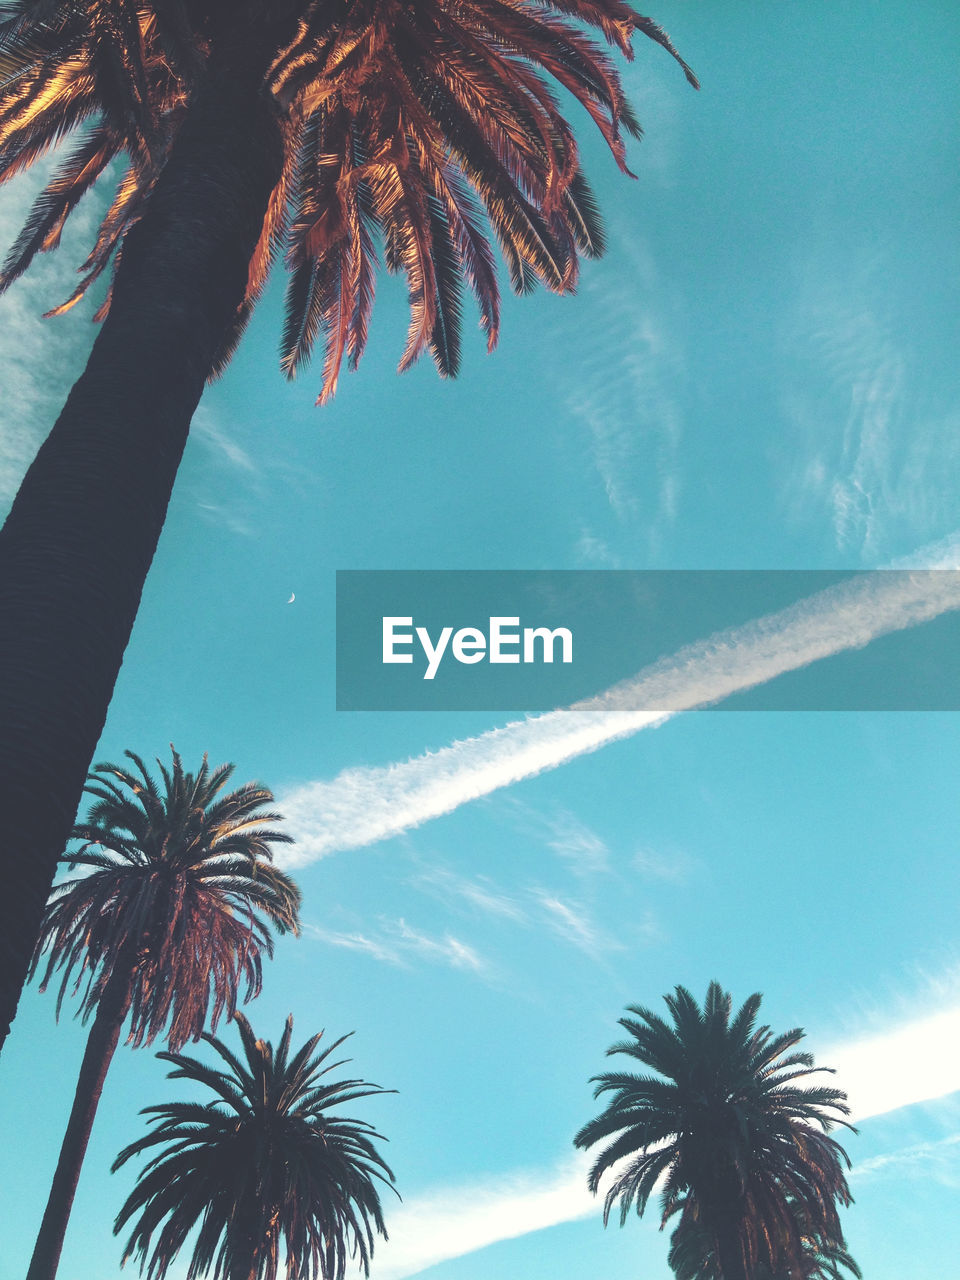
[725, 1127]
[434, 130]
[266, 1169]
[180, 895]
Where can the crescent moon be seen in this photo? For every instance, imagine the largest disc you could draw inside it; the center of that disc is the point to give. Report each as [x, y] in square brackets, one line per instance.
[292, 597]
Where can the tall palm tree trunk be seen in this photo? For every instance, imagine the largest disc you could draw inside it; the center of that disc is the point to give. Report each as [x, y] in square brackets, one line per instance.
[79, 540]
[729, 1250]
[97, 1056]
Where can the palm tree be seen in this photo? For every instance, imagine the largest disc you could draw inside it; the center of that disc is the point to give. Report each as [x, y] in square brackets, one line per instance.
[736, 1143]
[269, 1179]
[171, 919]
[692, 1257]
[247, 125]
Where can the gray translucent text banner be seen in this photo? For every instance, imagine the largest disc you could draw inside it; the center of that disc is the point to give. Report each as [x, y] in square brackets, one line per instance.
[658, 641]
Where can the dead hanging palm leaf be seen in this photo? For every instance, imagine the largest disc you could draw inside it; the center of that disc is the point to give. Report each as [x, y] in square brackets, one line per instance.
[693, 1256]
[431, 130]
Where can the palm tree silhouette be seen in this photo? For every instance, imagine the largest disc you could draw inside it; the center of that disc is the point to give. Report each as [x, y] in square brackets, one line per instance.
[692, 1256]
[270, 1180]
[171, 919]
[737, 1145]
[319, 125]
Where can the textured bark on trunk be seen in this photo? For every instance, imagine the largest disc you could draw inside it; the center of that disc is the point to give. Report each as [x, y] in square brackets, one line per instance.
[97, 1056]
[82, 532]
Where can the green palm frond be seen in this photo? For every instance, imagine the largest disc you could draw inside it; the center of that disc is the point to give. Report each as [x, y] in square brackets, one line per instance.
[267, 1173]
[731, 1131]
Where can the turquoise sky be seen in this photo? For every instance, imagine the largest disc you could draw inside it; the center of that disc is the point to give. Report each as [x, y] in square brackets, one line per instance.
[759, 374]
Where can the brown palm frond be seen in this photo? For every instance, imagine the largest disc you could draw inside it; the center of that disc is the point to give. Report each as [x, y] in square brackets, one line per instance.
[268, 249]
[473, 249]
[117, 60]
[53, 206]
[178, 894]
[131, 195]
[431, 130]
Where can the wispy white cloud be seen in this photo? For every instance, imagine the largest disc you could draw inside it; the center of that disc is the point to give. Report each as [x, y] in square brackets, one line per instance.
[858, 491]
[568, 919]
[899, 1066]
[397, 943]
[366, 804]
[436, 1226]
[39, 358]
[356, 941]
[576, 843]
[673, 866]
[632, 424]
[479, 893]
[572, 921]
[449, 1223]
[394, 941]
[580, 849]
[594, 552]
[624, 396]
[227, 516]
[207, 427]
[874, 444]
[226, 482]
[447, 950]
[939, 1160]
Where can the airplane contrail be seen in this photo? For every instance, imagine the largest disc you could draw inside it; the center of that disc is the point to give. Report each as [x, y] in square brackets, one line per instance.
[362, 805]
[908, 1062]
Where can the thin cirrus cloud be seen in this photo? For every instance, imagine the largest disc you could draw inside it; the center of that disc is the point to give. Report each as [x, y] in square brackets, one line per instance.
[624, 397]
[480, 894]
[573, 841]
[397, 943]
[937, 1159]
[215, 486]
[40, 358]
[220, 442]
[570, 920]
[572, 923]
[370, 803]
[872, 447]
[908, 1063]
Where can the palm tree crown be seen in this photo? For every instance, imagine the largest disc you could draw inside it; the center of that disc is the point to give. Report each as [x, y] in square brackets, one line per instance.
[738, 1146]
[423, 125]
[178, 900]
[271, 1181]
[334, 130]
[171, 919]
